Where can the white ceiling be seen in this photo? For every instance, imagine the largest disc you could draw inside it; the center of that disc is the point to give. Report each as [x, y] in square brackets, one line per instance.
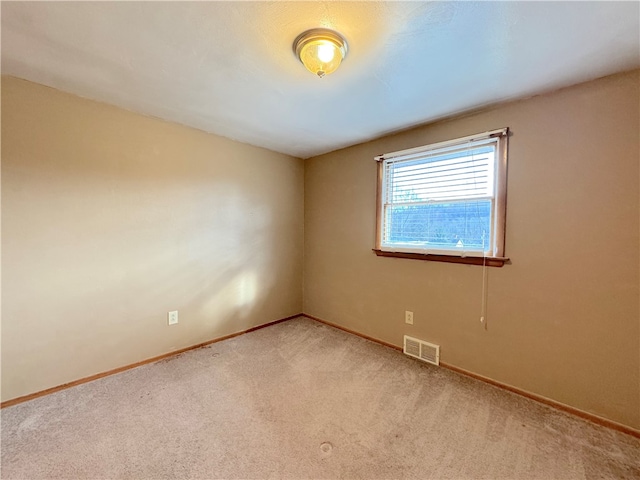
[228, 67]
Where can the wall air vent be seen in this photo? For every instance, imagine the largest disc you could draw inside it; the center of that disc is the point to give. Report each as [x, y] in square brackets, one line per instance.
[427, 352]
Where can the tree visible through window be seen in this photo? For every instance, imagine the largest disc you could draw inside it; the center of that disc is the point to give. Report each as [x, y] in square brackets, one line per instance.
[444, 199]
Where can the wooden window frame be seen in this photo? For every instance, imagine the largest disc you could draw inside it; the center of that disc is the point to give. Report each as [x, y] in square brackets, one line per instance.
[500, 209]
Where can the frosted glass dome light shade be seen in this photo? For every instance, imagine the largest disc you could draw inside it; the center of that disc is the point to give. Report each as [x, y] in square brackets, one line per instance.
[320, 50]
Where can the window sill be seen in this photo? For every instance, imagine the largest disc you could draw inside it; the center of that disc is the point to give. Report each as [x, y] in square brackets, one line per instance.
[488, 261]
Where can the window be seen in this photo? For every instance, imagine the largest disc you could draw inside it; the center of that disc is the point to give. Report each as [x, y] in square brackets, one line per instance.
[445, 201]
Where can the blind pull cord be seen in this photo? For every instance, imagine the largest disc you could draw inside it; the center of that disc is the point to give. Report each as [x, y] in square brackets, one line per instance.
[483, 305]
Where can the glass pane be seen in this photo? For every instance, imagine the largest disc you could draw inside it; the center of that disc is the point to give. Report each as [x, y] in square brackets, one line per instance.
[449, 226]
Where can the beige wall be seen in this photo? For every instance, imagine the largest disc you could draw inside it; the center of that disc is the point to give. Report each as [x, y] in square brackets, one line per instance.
[563, 318]
[110, 219]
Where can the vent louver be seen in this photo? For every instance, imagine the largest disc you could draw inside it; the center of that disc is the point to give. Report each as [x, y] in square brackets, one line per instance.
[425, 351]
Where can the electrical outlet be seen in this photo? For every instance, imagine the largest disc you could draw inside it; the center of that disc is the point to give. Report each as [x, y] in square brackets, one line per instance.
[172, 317]
[408, 317]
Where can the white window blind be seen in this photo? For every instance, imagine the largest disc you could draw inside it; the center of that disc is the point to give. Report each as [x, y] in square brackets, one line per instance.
[441, 199]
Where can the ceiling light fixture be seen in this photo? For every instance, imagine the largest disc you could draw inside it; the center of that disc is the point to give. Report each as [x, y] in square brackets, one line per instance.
[320, 50]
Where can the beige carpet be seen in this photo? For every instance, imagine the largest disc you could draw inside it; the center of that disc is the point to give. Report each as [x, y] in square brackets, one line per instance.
[302, 400]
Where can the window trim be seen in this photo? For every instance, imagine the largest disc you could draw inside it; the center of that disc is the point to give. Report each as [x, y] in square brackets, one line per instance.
[496, 260]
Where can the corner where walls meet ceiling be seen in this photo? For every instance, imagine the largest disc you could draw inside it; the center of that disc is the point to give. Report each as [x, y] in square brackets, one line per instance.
[228, 67]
